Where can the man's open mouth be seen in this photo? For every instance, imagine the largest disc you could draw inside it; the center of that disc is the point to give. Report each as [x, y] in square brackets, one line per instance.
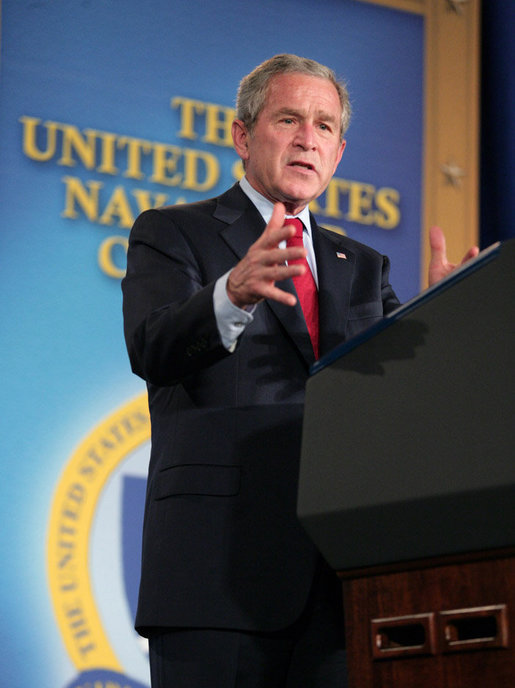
[300, 163]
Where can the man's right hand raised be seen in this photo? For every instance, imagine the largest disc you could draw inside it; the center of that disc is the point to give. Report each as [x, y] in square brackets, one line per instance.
[253, 278]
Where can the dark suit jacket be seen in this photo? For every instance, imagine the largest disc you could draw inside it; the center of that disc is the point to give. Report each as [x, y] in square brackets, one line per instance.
[222, 546]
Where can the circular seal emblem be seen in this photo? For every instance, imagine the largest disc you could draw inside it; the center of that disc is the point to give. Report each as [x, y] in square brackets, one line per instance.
[75, 580]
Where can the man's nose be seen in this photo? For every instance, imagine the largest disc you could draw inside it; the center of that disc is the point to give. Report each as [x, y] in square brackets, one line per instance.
[305, 136]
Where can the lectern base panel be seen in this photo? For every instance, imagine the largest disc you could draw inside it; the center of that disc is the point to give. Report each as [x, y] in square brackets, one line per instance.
[436, 625]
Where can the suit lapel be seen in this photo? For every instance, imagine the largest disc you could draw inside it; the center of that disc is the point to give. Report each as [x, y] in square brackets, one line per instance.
[244, 226]
[244, 223]
[335, 265]
[292, 319]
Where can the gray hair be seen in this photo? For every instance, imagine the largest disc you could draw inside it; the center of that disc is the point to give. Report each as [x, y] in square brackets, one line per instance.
[251, 95]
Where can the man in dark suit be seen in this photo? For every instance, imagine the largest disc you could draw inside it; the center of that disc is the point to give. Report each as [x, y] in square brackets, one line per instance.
[232, 591]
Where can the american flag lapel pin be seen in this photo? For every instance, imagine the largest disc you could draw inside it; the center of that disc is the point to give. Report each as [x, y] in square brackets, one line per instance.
[339, 254]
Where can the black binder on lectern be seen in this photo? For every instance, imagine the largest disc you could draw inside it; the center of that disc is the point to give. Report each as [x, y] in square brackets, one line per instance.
[409, 432]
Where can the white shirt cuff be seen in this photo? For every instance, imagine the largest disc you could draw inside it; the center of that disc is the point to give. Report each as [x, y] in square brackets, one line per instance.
[230, 320]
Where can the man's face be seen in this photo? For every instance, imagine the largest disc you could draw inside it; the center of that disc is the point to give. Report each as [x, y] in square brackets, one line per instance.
[295, 146]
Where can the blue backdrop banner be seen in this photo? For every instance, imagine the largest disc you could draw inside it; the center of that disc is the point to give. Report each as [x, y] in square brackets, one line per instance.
[107, 109]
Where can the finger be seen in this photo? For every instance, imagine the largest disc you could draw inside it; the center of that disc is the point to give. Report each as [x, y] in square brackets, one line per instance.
[438, 245]
[278, 216]
[276, 231]
[285, 297]
[278, 256]
[283, 271]
[471, 253]
[268, 275]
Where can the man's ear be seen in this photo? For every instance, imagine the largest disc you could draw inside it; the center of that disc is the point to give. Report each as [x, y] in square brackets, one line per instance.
[340, 153]
[240, 137]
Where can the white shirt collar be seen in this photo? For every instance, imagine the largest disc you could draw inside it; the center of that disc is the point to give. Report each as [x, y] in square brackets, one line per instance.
[266, 207]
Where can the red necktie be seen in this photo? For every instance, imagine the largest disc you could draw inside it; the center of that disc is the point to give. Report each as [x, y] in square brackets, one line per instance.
[305, 285]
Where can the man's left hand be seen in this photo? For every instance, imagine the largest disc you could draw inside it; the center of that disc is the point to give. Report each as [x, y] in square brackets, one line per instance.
[439, 266]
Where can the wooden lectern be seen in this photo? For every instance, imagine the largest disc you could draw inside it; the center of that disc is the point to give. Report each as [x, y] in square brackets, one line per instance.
[407, 484]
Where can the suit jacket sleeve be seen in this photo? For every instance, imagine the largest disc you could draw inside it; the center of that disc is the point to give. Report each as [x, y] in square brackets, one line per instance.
[169, 321]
